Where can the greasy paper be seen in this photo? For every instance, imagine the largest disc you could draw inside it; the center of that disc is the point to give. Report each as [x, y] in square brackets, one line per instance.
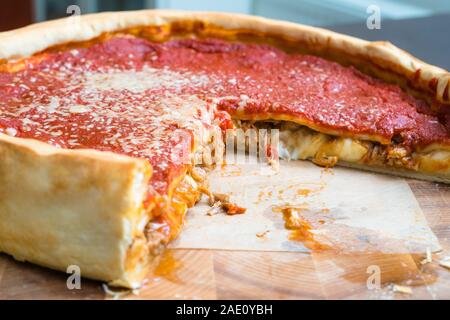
[350, 211]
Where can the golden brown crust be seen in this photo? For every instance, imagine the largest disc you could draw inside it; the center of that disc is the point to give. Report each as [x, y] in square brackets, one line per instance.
[384, 55]
[61, 208]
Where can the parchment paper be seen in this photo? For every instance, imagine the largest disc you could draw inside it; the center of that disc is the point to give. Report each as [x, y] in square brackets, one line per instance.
[353, 211]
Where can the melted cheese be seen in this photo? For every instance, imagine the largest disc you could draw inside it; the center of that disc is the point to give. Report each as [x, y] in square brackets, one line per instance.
[185, 195]
[435, 162]
[301, 143]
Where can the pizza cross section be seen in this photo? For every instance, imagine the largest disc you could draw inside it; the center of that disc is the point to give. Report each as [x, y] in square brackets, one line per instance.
[165, 102]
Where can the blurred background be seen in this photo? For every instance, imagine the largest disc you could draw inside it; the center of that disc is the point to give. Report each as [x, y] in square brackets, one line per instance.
[321, 13]
[415, 25]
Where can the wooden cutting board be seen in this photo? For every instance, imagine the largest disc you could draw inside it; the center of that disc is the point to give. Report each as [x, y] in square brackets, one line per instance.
[227, 274]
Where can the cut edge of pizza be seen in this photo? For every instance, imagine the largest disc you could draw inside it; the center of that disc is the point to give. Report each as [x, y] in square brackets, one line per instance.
[92, 202]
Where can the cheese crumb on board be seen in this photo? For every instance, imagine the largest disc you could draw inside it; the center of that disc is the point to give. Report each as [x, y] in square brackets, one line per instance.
[402, 289]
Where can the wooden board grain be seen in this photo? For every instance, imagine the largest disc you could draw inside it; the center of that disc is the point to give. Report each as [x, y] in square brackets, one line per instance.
[220, 274]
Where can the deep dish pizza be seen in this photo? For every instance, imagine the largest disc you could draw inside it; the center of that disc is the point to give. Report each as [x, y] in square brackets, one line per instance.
[100, 123]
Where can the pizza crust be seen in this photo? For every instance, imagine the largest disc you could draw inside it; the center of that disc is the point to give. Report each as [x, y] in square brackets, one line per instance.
[61, 208]
[383, 55]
